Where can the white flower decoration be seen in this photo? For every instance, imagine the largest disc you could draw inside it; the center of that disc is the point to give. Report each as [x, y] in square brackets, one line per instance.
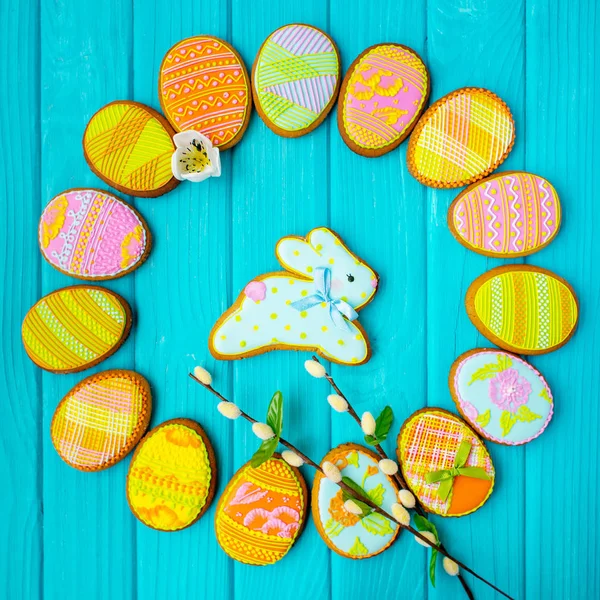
[194, 158]
[388, 466]
[367, 423]
[291, 458]
[427, 535]
[352, 507]
[331, 472]
[450, 567]
[400, 514]
[229, 410]
[203, 376]
[406, 498]
[315, 369]
[337, 403]
[263, 431]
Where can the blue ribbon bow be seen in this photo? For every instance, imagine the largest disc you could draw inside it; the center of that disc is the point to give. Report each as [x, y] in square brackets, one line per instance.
[338, 309]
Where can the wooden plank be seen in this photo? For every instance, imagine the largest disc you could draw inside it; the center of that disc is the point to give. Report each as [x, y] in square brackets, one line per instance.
[379, 209]
[177, 294]
[20, 381]
[563, 92]
[88, 530]
[473, 44]
[279, 188]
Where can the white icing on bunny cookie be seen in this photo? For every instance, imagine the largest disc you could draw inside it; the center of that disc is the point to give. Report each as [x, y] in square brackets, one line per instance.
[310, 306]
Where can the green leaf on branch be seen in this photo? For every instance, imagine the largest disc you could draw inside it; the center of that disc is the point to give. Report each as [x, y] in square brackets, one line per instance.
[383, 424]
[432, 564]
[265, 451]
[424, 524]
[360, 493]
[275, 413]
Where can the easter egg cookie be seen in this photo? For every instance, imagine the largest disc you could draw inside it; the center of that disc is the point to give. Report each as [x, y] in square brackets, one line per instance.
[523, 309]
[311, 306]
[460, 139]
[130, 147]
[262, 512]
[172, 476]
[93, 235]
[506, 215]
[382, 97]
[501, 396]
[203, 86]
[295, 79]
[444, 463]
[75, 328]
[101, 419]
[350, 535]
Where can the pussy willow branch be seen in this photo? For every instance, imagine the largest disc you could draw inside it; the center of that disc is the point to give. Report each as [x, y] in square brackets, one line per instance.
[398, 477]
[363, 498]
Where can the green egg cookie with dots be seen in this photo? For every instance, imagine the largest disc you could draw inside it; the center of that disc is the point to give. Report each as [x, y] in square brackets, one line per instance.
[313, 305]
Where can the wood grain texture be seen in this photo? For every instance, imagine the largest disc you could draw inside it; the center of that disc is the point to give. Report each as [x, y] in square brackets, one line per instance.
[68, 534]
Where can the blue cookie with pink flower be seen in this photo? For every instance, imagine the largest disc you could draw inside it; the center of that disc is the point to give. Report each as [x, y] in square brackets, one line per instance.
[502, 397]
[313, 305]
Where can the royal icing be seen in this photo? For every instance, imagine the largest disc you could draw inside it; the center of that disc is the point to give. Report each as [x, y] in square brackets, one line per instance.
[384, 93]
[429, 442]
[501, 396]
[128, 146]
[271, 312]
[92, 234]
[507, 214]
[204, 87]
[170, 477]
[523, 308]
[295, 77]
[261, 512]
[101, 419]
[461, 138]
[348, 534]
[74, 328]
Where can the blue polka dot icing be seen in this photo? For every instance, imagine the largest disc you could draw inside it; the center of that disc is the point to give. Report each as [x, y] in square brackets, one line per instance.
[502, 397]
[310, 306]
[350, 535]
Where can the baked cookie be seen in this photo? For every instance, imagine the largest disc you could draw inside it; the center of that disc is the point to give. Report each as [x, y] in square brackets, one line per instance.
[350, 535]
[384, 93]
[432, 443]
[509, 214]
[203, 86]
[522, 308]
[130, 147]
[460, 139]
[75, 328]
[93, 235]
[262, 512]
[311, 306]
[101, 419]
[172, 476]
[295, 79]
[501, 396]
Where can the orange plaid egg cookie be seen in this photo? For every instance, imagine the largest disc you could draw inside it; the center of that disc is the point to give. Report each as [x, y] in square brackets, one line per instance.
[101, 419]
[444, 463]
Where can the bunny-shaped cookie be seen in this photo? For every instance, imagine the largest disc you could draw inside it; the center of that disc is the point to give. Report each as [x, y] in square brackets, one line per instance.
[310, 306]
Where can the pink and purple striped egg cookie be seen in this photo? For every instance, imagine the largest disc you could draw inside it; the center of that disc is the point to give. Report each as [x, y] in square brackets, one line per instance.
[93, 235]
[509, 214]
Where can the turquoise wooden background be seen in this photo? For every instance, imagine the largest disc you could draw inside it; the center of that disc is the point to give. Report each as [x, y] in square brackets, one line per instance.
[68, 535]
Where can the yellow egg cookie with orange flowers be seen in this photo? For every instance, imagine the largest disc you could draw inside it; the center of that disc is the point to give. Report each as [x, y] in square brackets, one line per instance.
[262, 512]
[172, 476]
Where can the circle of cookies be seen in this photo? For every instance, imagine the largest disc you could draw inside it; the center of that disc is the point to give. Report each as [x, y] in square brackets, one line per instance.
[172, 476]
[101, 419]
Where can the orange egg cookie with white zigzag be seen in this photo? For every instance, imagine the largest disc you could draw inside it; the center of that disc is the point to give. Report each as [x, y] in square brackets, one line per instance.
[101, 419]
[262, 512]
[203, 86]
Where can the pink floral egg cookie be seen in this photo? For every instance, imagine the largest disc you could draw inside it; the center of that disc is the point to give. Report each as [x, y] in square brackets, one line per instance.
[501, 396]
